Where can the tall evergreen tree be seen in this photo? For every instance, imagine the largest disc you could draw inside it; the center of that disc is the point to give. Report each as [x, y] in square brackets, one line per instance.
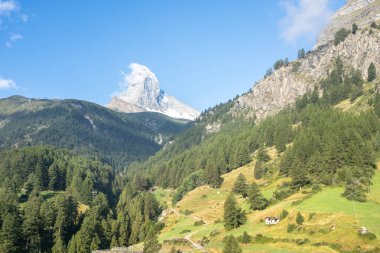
[241, 186]
[212, 175]
[11, 233]
[256, 199]
[151, 244]
[234, 217]
[231, 245]
[372, 72]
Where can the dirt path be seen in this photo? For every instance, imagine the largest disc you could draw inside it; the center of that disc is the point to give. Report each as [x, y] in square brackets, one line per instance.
[186, 237]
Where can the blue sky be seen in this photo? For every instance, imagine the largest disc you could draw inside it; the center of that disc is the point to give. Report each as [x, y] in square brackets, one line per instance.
[203, 51]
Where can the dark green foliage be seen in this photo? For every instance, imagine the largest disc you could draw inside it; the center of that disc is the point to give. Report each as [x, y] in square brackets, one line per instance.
[354, 28]
[234, 217]
[44, 168]
[368, 236]
[241, 186]
[373, 25]
[291, 228]
[319, 150]
[341, 35]
[85, 128]
[212, 175]
[151, 244]
[301, 54]
[262, 154]
[199, 223]
[268, 72]
[300, 219]
[372, 72]
[11, 237]
[355, 190]
[256, 199]
[245, 238]
[231, 245]
[284, 214]
[280, 63]
[190, 183]
[259, 170]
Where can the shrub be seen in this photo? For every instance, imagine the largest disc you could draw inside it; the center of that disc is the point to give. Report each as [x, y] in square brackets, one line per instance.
[185, 231]
[199, 223]
[299, 219]
[259, 238]
[341, 35]
[316, 188]
[245, 238]
[368, 237]
[214, 233]
[302, 241]
[284, 214]
[291, 227]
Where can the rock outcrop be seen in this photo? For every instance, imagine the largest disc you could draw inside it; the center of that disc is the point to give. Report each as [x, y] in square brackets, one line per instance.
[281, 89]
[361, 12]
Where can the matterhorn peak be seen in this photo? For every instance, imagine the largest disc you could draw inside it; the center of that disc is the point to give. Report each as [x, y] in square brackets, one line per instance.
[141, 92]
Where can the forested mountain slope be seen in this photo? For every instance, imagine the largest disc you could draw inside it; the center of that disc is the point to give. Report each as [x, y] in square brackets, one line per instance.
[85, 128]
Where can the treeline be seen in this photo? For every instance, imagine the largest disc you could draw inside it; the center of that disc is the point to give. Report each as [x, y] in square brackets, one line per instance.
[33, 221]
[44, 168]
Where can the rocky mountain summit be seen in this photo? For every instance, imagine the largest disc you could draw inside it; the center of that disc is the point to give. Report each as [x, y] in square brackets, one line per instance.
[357, 51]
[143, 94]
[361, 12]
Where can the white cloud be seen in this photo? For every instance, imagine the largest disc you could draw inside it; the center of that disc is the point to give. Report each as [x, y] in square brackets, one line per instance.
[13, 38]
[6, 7]
[7, 84]
[24, 18]
[304, 18]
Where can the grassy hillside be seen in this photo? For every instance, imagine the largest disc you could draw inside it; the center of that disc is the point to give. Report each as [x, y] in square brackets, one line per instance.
[331, 221]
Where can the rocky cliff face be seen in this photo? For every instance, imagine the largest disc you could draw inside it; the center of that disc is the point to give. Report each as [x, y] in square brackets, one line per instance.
[361, 12]
[143, 94]
[280, 89]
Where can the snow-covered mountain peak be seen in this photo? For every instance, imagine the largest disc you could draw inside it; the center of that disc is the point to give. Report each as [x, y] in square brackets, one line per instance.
[141, 92]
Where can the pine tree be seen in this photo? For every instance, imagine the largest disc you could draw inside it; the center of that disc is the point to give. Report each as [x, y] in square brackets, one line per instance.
[151, 244]
[59, 246]
[259, 170]
[212, 175]
[256, 199]
[114, 242]
[246, 238]
[33, 225]
[240, 186]
[262, 154]
[301, 54]
[354, 28]
[299, 219]
[354, 190]
[372, 72]
[234, 217]
[11, 233]
[231, 245]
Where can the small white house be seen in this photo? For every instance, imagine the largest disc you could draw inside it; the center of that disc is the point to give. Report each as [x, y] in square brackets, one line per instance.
[272, 220]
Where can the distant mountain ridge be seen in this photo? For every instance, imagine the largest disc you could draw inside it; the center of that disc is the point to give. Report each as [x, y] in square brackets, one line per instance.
[86, 128]
[144, 94]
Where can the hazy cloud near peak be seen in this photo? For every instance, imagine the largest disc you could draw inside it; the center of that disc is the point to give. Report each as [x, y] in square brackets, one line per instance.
[7, 84]
[304, 18]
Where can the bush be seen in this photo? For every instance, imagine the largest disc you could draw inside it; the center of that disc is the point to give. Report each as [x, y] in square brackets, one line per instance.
[284, 214]
[245, 238]
[291, 228]
[199, 223]
[299, 219]
[204, 241]
[259, 238]
[302, 241]
[341, 35]
[316, 188]
[186, 212]
[368, 237]
[185, 231]
[214, 233]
